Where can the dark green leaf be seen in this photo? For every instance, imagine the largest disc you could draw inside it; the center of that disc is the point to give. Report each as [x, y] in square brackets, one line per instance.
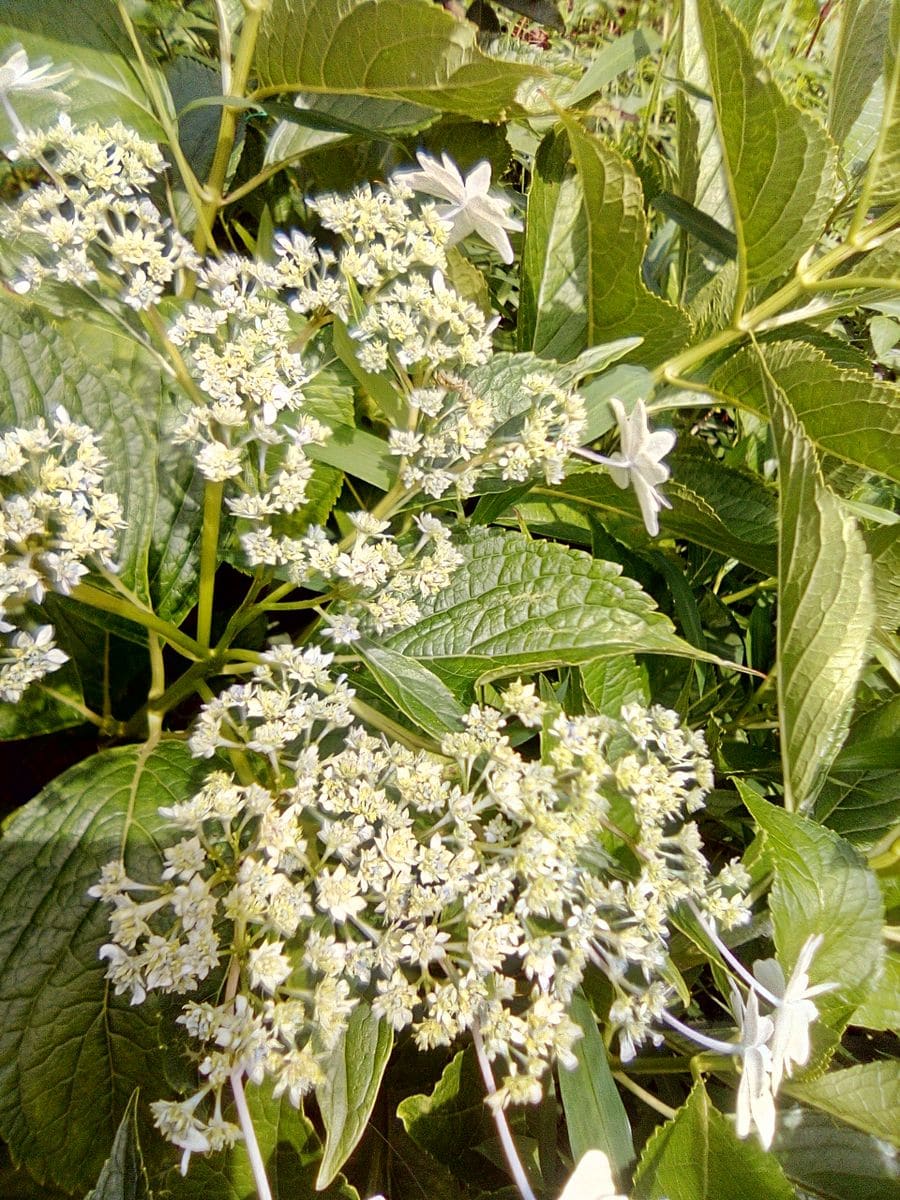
[123, 1176]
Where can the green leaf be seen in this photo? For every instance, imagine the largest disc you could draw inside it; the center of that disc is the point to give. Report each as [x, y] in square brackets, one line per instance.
[40, 369]
[612, 60]
[71, 1053]
[359, 454]
[614, 682]
[400, 49]
[866, 1097]
[123, 1176]
[778, 161]
[415, 690]
[883, 546]
[822, 886]
[87, 36]
[516, 605]
[826, 610]
[858, 62]
[884, 166]
[38, 712]
[696, 222]
[585, 239]
[454, 1118]
[319, 120]
[352, 1080]
[843, 412]
[730, 512]
[833, 1162]
[595, 1115]
[697, 1156]
[881, 1009]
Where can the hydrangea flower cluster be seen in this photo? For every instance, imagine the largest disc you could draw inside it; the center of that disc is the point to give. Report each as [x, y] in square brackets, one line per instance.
[461, 891]
[93, 220]
[55, 521]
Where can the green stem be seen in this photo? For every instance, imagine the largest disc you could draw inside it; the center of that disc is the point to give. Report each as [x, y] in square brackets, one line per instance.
[209, 558]
[240, 73]
[86, 593]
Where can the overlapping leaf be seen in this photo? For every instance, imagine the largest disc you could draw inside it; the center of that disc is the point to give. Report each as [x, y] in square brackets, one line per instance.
[853, 416]
[826, 610]
[867, 1097]
[406, 49]
[581, 269]
[778, 161]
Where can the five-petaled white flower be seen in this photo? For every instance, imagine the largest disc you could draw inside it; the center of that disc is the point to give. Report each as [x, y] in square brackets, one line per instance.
[755, 1101]
[639, 462]
[17, 76]
[794, 1011]
[471, 208]
[591, 1180]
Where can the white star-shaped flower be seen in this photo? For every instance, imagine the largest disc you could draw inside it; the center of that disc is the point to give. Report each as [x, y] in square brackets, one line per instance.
[591, 1180]
[794, 1011]
[639, 462]
[471, 209]
[17, 76]
[755, 1099]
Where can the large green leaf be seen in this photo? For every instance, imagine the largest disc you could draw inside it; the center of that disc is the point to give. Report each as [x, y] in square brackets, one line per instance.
[41, 368]
[884, 166]
[843, 412]
[86, 36]
[405, 49]
[778, 161]
[881, 1009]
[859, 59]
[697, 1156]
[71, 1053]
[826, 609]
[348, 1094]
[516, 604]
[867, 1097]
[454, 1118]
[595, 1115]
[822, 886]
[833, 1162]
[612, 683]
[585, 239]
[124, 1176]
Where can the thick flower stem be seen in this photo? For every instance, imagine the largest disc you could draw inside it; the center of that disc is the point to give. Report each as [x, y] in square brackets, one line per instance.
[88, 594]
[209, 547]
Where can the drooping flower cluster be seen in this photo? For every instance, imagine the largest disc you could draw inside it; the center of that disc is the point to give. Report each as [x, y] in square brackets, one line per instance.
[56, 521]
[92, 223]
[464, 890]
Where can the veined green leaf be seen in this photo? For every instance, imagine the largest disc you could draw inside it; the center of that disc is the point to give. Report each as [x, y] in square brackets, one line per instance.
[867, 1097]
[698, 1156]
[86, 36]
[516, 604]
[595, 1115]
[123, 1176]
[585, 239]
[858, 62]
[65, 1038]
[401, 49]
[416, 691]
[348, 1094]
[831, 1161]
[822, 886]
[884, 166]
[843, 412]
[454, 1118]
[778, 161]
[881, 1009]
[826, 610]
[613, 682]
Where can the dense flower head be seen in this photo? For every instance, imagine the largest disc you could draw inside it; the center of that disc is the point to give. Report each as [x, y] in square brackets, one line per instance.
[93, 220]
[56, 523]
[454, 890]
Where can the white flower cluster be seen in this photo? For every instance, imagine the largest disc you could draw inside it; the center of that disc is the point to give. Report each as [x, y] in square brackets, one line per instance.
[93, 217]
[55, 519]
[461, 891]
[460, 434]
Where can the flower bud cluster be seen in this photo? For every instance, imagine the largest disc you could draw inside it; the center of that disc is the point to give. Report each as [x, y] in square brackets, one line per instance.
[93, 222]
[460, 891]
[55, 521]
